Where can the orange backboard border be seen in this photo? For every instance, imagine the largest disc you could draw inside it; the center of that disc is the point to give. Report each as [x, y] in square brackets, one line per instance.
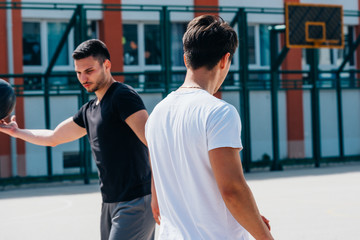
[287, 4]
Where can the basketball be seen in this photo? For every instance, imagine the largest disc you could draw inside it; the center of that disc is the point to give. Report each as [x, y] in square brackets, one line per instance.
[7, 99]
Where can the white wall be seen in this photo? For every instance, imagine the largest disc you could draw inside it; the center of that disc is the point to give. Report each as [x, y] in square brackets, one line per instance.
[260, 124]
[159, 2]
[150, 100]
[154, 15]
[328, 123]
[282, 125]
[307, 123]
[232, 97]
[351, 121]
[252, 3]
[256, 18]
[34, 119]
[347, 5]
[61, 108]
[57, 14]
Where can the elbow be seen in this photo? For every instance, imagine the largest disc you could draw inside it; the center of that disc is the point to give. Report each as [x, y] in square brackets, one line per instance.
[53, 143]
[232, 193]
[229, 194]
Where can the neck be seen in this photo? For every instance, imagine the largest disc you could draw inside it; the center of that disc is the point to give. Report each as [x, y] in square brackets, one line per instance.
[202, 78]
[101, 91]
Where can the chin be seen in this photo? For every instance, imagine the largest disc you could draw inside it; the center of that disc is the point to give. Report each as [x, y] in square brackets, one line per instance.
[91, 90]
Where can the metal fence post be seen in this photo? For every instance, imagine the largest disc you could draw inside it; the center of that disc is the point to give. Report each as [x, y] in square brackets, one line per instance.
[80, 36]
[244, 77]
[340, 115]
[315, 107]
[166, 49]
[274, 99]
[47, 87]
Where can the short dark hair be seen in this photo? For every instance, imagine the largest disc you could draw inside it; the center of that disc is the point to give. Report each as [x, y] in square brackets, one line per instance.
[93, 47]
[206, 40]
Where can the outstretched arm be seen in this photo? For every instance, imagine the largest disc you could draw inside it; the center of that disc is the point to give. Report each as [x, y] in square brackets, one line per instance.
[228, 172]
[66, 131]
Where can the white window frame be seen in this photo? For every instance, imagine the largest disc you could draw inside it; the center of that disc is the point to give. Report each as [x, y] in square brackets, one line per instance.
[44, 48]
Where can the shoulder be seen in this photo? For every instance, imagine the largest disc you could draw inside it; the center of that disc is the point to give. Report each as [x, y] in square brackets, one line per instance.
[125, 100]
[124, 92]
[221, 110]
[122, 88]
[216, 105]
[225, 107]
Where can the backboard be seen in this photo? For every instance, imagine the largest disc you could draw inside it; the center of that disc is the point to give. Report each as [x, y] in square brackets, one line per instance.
[314, 26]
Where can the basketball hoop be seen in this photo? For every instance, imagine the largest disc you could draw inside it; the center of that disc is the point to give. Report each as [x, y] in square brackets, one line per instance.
[314, 26]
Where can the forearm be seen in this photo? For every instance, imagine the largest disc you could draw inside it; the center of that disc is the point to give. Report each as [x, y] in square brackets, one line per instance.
[242, 206]
[66, 131]
[228, 172]
[40, 137]
[154, 201]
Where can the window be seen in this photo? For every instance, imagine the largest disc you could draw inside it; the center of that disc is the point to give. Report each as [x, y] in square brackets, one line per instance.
[177, 52]
[54, 34]
[326, 56]
[264, 45]
[40, 41]
[130, 44]
[258, 46]
[143, 52]
[348, 39]
[152, 44]
[251, 45]
[31, 44]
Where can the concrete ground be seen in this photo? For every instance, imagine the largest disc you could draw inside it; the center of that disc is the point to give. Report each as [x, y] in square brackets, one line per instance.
[306, 204]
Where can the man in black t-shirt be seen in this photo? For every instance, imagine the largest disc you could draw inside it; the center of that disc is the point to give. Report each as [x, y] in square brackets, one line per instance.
[115, 125]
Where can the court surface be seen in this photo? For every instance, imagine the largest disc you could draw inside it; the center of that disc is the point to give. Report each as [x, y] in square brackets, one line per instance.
[306, 204]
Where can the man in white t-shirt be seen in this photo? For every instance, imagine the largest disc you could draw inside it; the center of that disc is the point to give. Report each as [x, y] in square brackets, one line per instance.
[194, 143]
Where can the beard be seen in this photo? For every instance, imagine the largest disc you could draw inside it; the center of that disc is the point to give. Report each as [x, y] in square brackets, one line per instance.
[100, 82]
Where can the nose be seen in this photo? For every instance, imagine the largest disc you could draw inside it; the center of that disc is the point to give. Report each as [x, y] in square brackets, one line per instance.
[83, 78]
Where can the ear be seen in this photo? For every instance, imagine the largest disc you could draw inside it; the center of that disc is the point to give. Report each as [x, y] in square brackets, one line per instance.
[224, 60]
[107, 64]
[184, 60]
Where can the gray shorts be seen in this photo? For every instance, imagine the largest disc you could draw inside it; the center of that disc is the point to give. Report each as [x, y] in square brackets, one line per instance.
[132, 220]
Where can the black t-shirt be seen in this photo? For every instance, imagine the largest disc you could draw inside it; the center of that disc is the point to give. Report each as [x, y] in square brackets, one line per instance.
[121, 158]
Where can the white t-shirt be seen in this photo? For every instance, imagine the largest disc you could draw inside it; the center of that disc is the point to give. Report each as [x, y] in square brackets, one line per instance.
[180, 131]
